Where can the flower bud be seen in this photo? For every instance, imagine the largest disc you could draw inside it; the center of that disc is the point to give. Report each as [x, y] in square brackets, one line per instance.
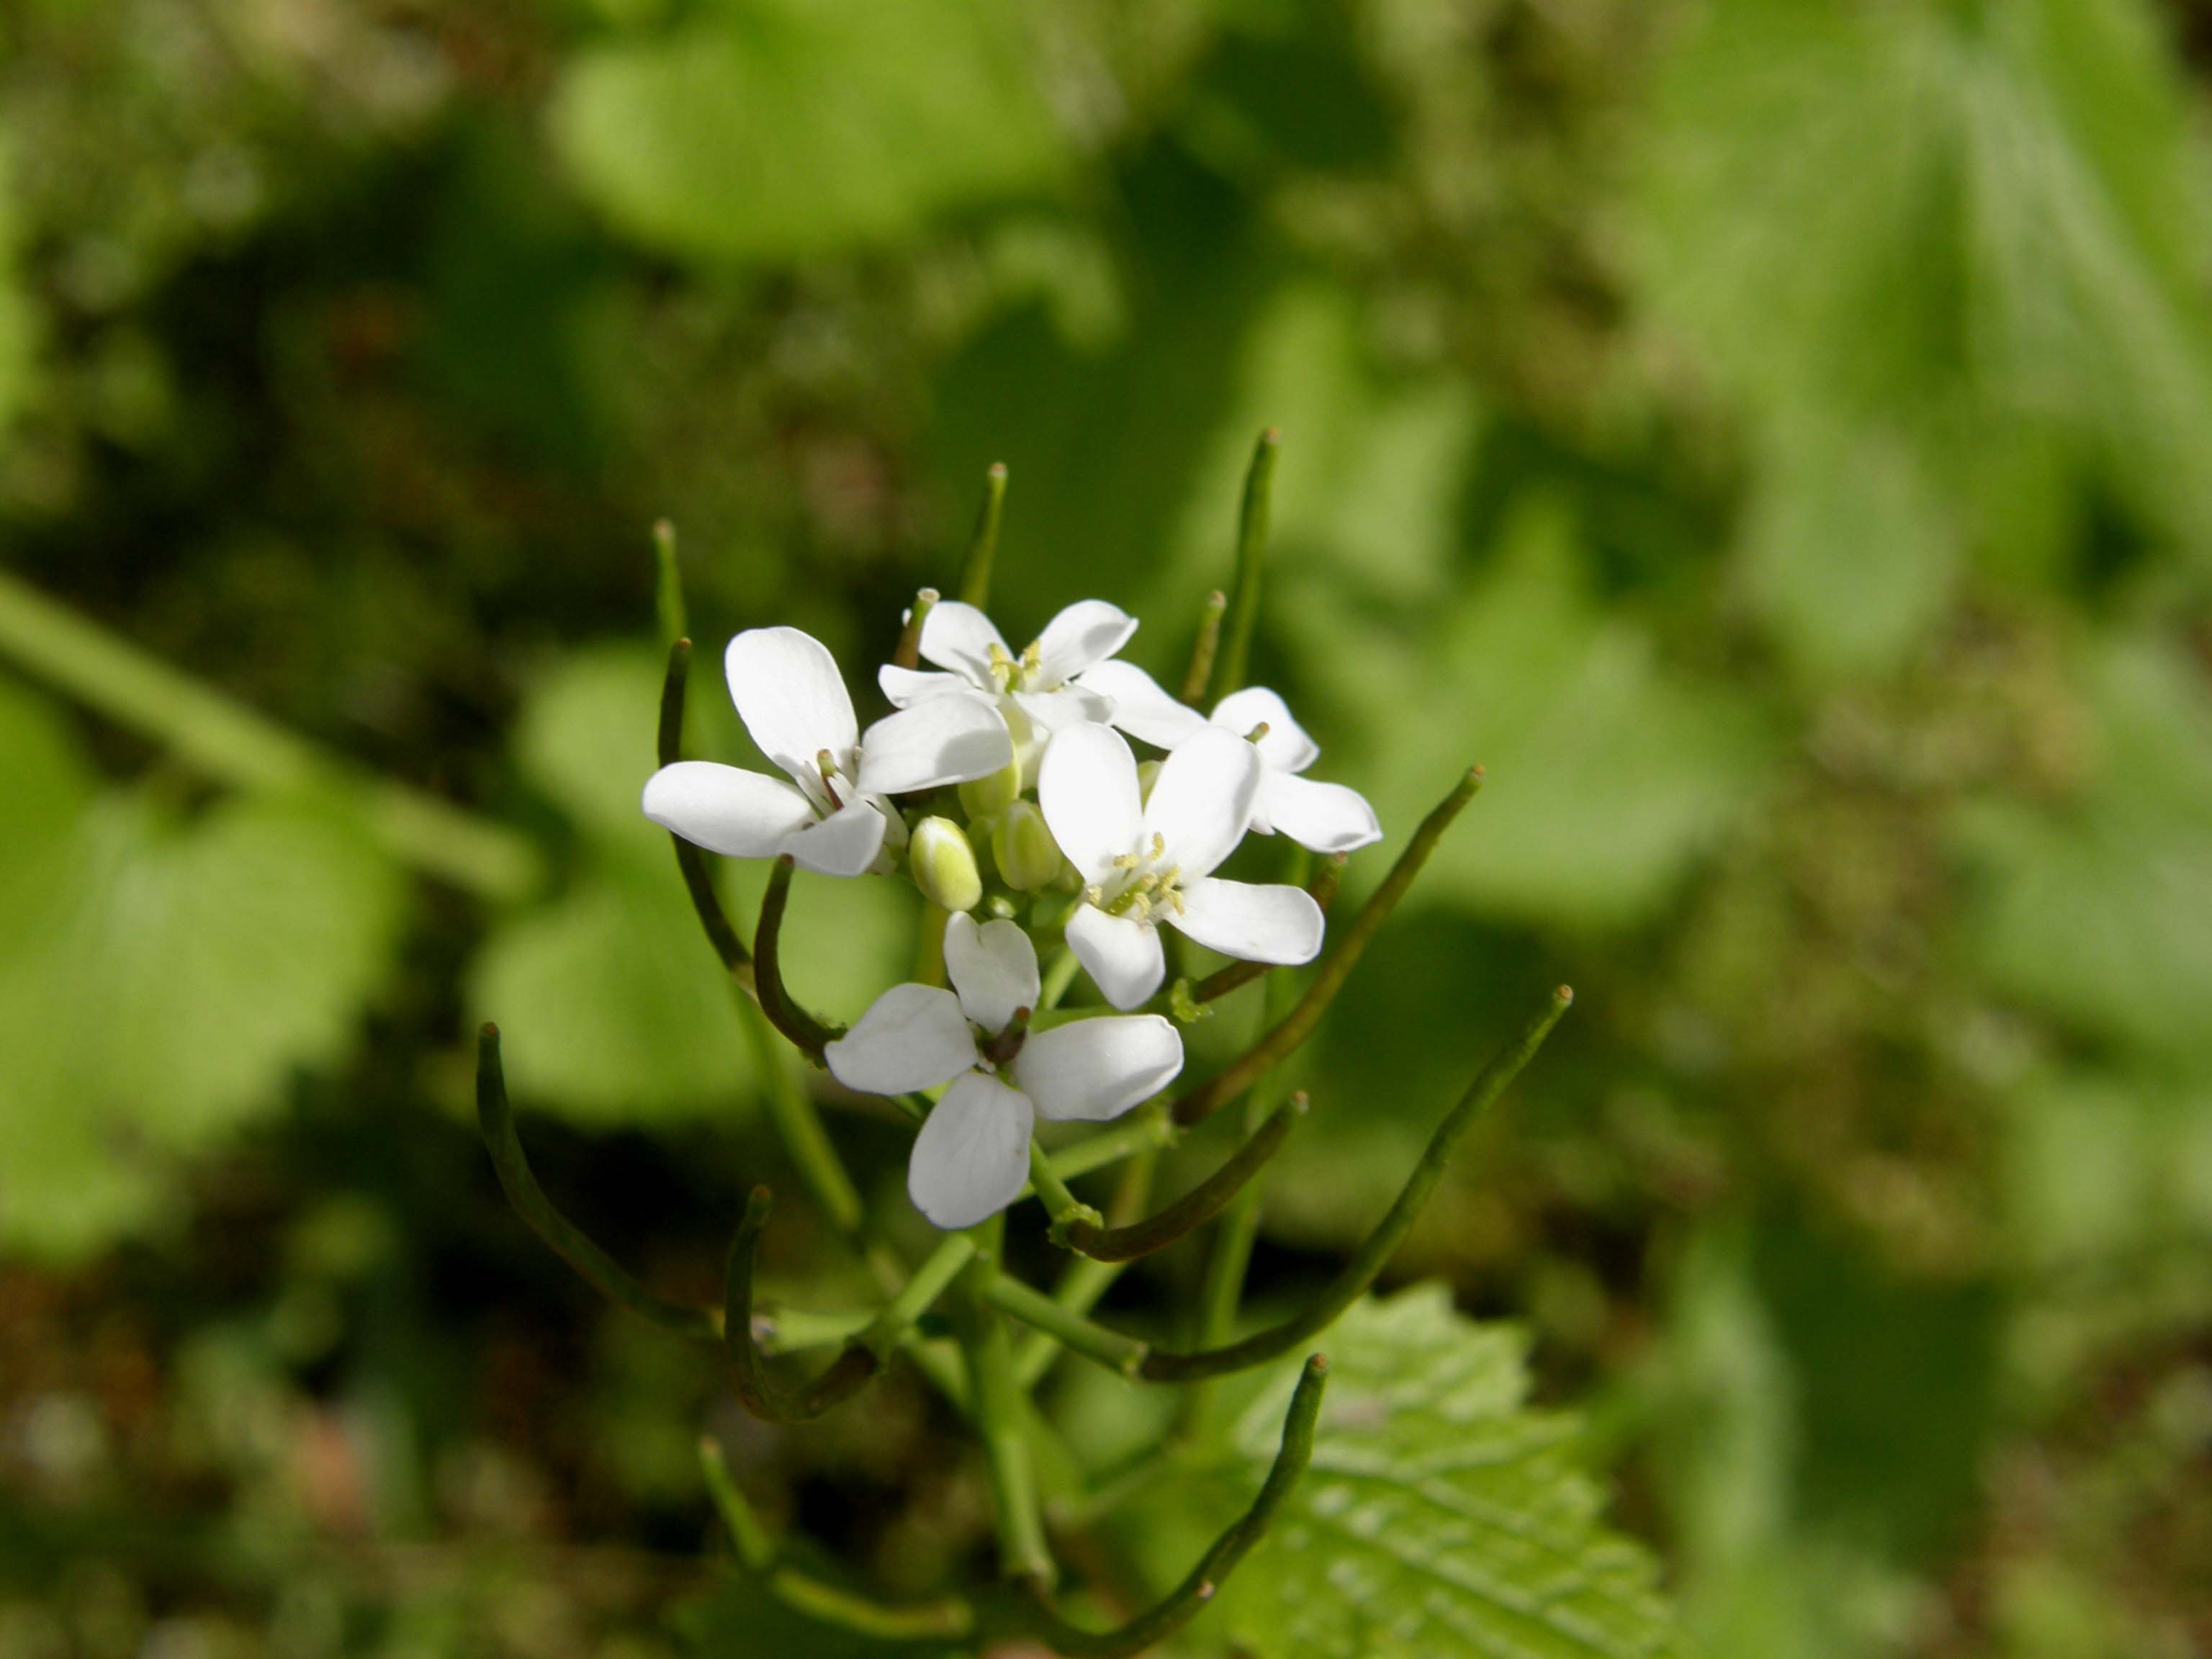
[1028, 856]
[943, 864]
[983, 798]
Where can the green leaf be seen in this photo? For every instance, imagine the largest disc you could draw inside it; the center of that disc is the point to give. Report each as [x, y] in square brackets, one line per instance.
[162, 978]
[1441, 1516]
[1962, 240]
[777, 128]
[1609, 773]
[2098, 909]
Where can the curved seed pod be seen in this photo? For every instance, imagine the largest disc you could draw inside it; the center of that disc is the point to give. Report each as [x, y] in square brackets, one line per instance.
[847, 1375]
[1298, 1024]
[495, 1119]
[1237, 974]
[1041, 1622]
[1198, 1206]
[807, 1034]
[1360, 1272]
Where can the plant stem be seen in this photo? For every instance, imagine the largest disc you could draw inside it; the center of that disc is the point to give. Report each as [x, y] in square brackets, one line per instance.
[807, 1034]
[799, 1127]
[1129, 1242]
[1086, 1278]
[999, 1404]
[1149, 1126]
[238, 746]
[1035, 1308]
[495, 1118]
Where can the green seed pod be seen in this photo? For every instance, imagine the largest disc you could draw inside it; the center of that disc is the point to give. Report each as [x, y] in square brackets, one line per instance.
[943, 864]
[1027, 855]
[983, 798]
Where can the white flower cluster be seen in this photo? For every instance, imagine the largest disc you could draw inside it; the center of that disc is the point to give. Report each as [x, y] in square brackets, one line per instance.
[1128, 853]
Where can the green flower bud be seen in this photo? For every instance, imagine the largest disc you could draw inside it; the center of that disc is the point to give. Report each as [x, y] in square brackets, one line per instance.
[943, 864]
[1027, 855]
[982, 798]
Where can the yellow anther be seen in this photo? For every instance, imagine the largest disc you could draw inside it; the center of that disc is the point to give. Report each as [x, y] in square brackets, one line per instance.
[1159, 845]
[1256, 733]
[1127, 861]
[1032, 657]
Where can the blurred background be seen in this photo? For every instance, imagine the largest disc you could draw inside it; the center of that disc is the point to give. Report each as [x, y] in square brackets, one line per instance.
[1774, 436]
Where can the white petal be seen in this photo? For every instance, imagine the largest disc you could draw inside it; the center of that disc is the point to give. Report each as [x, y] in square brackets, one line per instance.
[843, 844]
[1202, 799]
[791, 697]
[1087, 786]
[1326, 816]
[1085, 633]
[1251, 922]
[940, 740]
[906, 687]
[973, 1153]
[1141, 707]
[960, 637]
[913, 1036]
[1123, 957]
[1071, 705]
[994, 968]
[725, 808]
[1094, 1069]
[1286, 748]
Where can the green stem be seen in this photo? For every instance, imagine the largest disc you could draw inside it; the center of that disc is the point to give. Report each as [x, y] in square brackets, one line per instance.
[1183, 1603]
[238, 746]
[983, 544]
[1203, 649]
[1065, 1209]
[1251, 557]
[1042, 1313]
[946, 1621]
[794, 1330]
[807, 1034]
[929, 1281]
[495, 1118]
[761, 1394]
[998, 1405]
[800, 1128]
[1085, 1279]
[1281, 1042]
[1146, 1126]
[1059, 974]
[1198, 1206]
[1360, 1272]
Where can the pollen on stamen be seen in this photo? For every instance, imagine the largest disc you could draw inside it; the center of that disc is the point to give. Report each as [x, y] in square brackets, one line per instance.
[1256, 733]
[1159, 845]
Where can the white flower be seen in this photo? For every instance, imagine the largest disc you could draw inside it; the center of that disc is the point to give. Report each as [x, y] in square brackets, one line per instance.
[1036, 692]
[972, 1156]
[1151, 859]
[793, 702]
[1328, 818]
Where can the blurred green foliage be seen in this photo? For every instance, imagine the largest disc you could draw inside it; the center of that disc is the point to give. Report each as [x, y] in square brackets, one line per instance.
[1770, 435]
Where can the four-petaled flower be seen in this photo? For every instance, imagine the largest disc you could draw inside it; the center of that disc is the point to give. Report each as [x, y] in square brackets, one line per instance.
[1149, 860]
[1328, 818]
[794, 701]
[972, 1156]
[1037, 692]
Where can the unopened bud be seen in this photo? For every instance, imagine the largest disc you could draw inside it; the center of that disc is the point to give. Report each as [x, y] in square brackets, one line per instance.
[983, 798]
[1148, 773]
[1028, 856]
[943, 864]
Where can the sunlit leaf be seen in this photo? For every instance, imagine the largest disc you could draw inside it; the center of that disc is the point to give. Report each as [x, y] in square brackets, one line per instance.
[1441, 1516]
[160, 979]
[773, 129]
